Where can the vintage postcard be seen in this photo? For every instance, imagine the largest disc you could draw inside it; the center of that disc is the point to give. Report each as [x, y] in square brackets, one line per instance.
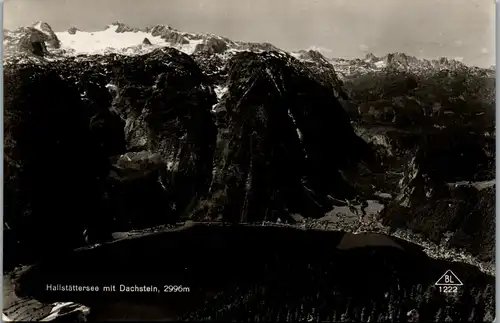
[264, 160]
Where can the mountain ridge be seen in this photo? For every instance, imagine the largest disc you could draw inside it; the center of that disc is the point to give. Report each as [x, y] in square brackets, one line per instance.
[130, 42]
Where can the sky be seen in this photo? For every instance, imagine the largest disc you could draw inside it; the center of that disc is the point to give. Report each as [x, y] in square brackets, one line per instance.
[461, 29]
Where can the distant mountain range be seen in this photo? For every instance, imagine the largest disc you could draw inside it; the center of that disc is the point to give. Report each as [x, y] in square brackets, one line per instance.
[39, 42]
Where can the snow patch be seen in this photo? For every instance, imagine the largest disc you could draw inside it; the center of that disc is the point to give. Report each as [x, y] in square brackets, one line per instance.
[38, 26]
[270, 74]
[112, 87]
[477, 185]
[383, 195]
[220, 91]
[64, 308]
[109, 41]
[235, 50]
[383, 141]
[172, 166]
[295, 124]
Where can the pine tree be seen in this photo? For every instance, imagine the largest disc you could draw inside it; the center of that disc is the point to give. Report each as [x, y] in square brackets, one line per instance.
[413, 316]
[439, 316]
[472, 316]
[364, 314]
[489, 316]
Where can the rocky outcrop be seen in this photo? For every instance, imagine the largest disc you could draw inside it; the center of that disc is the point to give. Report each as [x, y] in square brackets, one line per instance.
[459, 97]
[33, 42]
[168, 33]
[212, 45]
[165, 103]
[146, 42]
[252, 46]
[324, 71]
[460, 216]
[50, 37]
[441, 158]
[441, 180]
[477, 231]
[212, 65]
[152, 115]
[73, 30]
[123, 28]
[270, 157]
[447, 190]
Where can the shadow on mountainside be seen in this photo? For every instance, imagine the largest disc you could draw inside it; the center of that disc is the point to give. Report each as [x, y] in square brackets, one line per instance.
[109, 143]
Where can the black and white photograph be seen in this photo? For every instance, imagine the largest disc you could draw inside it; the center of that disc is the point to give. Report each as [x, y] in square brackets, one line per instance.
[249, 161]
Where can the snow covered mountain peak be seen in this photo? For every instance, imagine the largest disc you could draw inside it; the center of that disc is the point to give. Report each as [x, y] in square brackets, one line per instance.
[115, 38]
[121, 39]
[43, 27]
[39, 43]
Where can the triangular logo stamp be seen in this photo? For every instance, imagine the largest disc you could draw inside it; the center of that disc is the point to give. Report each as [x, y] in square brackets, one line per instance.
[449, 279]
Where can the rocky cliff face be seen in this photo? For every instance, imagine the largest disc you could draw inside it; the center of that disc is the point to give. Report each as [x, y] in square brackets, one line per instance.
[282, 140]
[147, 148]
[38, 40]
[166, 107]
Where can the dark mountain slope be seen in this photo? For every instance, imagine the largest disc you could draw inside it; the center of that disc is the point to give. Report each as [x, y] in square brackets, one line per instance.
[66, 136]
[166, 104]
[282, 139]
[463, 97]
[140, 147]
[50, 165]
